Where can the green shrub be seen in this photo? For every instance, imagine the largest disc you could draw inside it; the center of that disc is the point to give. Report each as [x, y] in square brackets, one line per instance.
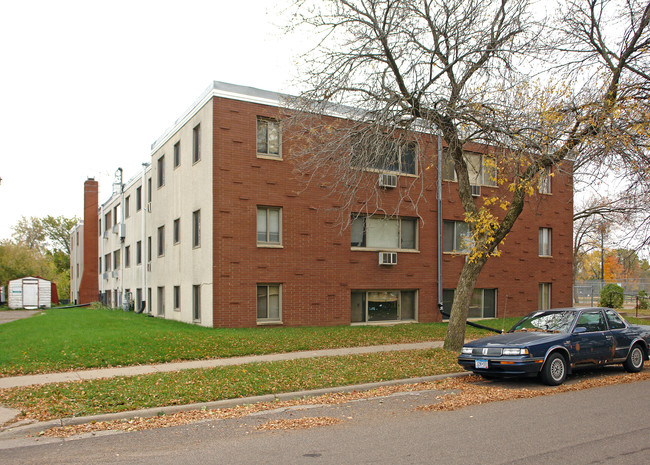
[643, 300]
[611, 296]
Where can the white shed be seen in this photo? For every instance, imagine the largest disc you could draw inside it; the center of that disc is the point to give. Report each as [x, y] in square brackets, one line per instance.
[30, 292]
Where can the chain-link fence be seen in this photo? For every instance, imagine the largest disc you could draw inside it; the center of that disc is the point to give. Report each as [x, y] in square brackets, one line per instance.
[587, 293]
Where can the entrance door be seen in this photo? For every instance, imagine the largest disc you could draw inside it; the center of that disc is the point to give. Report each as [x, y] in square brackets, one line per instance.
[30, 293]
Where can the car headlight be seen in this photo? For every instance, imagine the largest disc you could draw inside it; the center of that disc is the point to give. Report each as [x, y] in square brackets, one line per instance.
[511, 351]
[466, 350]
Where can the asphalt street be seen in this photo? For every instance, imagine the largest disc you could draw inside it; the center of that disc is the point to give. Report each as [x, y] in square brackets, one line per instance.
[601, 425]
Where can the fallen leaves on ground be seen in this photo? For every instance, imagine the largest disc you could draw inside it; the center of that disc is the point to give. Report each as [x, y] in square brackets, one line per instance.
[298, 423]
[464, 392]
[470, 391]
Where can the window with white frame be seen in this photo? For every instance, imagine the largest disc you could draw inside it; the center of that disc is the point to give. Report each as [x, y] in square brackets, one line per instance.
[127, 256]
[116, 260]
[544, 298]
[269, 305]
[544, 183]
[482, 305]
[482, 169]
[269, 225]
[369, 306]
[545, 242]
[127, 206]
[138, 199]
[381, 232]
[456, 237]
[389, 156]
[138, 253]
[268, 138]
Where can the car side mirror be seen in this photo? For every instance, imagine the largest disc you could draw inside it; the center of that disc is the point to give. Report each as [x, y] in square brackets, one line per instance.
[579, 329]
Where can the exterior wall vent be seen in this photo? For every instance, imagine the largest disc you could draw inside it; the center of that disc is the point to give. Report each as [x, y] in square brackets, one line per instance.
[388, 258]
[387, 180]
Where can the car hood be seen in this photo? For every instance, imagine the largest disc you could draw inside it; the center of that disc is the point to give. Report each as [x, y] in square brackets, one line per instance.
[515, 339]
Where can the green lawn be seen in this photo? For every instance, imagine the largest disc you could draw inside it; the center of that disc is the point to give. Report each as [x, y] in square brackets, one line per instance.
[193, 386]
[65, 339]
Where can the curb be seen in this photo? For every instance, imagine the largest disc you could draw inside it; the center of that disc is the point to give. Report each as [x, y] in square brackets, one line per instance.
[9, 432]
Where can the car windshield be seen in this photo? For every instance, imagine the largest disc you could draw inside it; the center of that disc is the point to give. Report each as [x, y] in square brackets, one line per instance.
[548, 322]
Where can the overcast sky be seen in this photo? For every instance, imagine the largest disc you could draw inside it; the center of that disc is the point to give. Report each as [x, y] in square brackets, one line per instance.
[86, 87]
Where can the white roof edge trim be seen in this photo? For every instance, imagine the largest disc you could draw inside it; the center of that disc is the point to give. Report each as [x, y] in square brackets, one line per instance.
[222, 90]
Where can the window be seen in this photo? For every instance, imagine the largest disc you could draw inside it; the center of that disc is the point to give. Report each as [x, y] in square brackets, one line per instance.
[196, 302]
[177, 298]
[544, 185]
[380, 232]
[369, 306]
[99, 224]
[456, 237]
[161, 241]
[269, 225]
[116, 259]
[268, 138]
[127, 206]
[196, 143]
[149, 190]
[177, 230]
[268, 302]
[77, 238]
[161, 171]
[615, 321]
[138, 253]
[482, 305]
[138, 199]
[391, 155]
[196, 228]
[107, 262]
[127, 256]
[100, 264]
[482, 169]
[593, 321]
[177, 154]
[107, 221]
[149, 248]
[545, 242]
[161, 301]
[544, 298]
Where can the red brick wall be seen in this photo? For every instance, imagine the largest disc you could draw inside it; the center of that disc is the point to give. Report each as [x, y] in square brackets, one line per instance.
[89, 288]
[316, 267]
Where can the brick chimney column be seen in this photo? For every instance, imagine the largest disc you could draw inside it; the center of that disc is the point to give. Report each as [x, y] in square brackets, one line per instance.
[89, 286]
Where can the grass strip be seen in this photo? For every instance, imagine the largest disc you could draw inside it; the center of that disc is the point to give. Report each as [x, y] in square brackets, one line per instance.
[206, 385]
[79, 338]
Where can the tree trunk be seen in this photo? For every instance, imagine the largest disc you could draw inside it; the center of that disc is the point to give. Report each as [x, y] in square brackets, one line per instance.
[462, 298]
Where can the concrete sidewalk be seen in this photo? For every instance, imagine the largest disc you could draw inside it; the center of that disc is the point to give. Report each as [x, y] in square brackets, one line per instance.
[7, 415]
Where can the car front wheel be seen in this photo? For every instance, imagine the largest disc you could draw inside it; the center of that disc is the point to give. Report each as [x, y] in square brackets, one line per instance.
[554, 371]
[634, 361]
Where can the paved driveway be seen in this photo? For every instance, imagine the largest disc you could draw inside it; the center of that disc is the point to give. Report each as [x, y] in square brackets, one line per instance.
[11, 315]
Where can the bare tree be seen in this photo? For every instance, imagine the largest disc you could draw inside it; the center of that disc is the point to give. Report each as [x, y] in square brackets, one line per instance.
[468, 70]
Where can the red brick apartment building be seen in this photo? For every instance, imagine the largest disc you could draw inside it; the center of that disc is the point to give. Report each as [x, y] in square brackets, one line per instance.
[220, 231]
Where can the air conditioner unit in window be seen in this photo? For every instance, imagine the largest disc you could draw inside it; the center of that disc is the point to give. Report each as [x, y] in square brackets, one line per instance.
[116, 274]
[387, 180]
[105, 235]
[116, 228]
[388, 258]
[105, 276]
[148, 266]
[476, 191]
[122, 231]
[148, 207]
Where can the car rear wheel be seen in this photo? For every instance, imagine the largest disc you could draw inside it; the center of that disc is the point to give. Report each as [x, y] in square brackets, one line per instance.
[554, 371]
[634, 361]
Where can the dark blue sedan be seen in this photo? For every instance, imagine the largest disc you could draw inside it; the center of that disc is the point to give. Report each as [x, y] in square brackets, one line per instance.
[551, 343]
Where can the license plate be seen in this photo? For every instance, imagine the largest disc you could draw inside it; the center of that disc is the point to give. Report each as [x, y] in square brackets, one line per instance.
[480, 363]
